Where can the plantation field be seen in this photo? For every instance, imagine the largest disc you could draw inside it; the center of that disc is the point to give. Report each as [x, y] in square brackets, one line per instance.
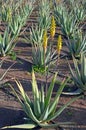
[42, 38]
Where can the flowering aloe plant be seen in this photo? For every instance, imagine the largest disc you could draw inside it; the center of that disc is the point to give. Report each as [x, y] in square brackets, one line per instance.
[42, 56]
[42, 109]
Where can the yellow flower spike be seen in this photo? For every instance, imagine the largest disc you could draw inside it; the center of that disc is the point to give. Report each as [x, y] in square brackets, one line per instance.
[45, 40]
[59, 44]
[53, 27]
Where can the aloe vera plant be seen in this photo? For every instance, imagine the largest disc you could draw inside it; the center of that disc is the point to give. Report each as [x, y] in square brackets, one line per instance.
[41, 110]
[8, 8]
[44, 18]
[16, 15]
[20, 17]
[16, 24]
[78, 8]
[77, 44]
[79, 75]
[6, 43]
[66, 20]
[6, 14]
[79, 12]
[17, 21]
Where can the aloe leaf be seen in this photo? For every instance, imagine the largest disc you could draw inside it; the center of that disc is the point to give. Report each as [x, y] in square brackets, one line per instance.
[30, 112]
[21, 89]
[28, 100]
[46, 125]
[54, 125]
[36, 95]
[56, 114]
[83, 66]
[42, 103]
[56, 99]
[23, 106]
[22, 126]
[45, 114]
[26, 107]
[76, 67]
[37, 107]
[47, 56]
[49, 93]
[83, 46]
[34, 85]
[1, 78]
[76, 76]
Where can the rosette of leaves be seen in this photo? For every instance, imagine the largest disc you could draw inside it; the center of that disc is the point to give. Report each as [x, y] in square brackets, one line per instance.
[79, 73]
[42, 109]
